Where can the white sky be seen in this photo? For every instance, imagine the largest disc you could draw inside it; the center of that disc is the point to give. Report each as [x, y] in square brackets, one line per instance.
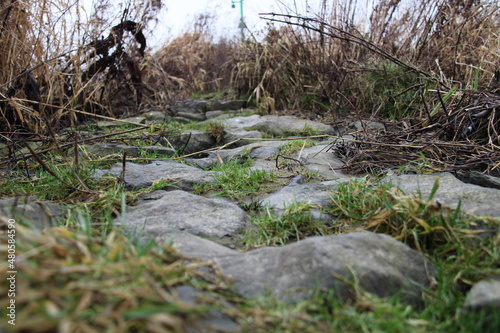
[179, 16]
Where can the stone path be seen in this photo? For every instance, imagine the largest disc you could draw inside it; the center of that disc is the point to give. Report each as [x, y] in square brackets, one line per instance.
[203, 227]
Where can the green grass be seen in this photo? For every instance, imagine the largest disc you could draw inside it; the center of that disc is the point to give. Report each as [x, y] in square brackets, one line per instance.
[246, 113]
[146, 154]
[419, 166]
[294, 224]
[100, 199]
[305, 131]
[127, 276]
[236, 181]
[287, 158]
[105, 254]
[64, 180]
[463, 247]
[214, 95]
[293, 146]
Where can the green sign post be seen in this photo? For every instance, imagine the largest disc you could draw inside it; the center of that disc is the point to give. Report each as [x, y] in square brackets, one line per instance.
[242, 20]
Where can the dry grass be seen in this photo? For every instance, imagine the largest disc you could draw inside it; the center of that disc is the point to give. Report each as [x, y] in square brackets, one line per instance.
[322, 64]
[445, 42]
[72, 282]
[54, 61]
[192, 63]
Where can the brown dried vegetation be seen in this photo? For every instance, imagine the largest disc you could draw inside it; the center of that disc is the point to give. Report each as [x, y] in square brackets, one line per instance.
[56, 67]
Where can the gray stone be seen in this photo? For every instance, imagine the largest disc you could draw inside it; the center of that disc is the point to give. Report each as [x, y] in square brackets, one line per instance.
[202, 163]
[282, 125]
[194, 246]
[309, 193]
[320, 161]
[156, 115]
[362, 125]
[484, 295]
[192, 116]
[241, 122]
[40, 214]
[192, 141]
[226, 105]
[381, 265]
[262, 152]
[181, 120]
[149, 196]
[181, 176]
[104, 149]
[231, 135]
[224, 115]
[182, 211]
[190, 107]
[481, 179]
[474, 199]
[259, 151]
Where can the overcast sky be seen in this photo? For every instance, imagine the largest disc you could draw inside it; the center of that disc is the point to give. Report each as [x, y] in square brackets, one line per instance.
[179, 16]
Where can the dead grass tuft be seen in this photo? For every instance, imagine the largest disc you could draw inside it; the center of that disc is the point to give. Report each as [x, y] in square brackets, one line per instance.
[79, 283]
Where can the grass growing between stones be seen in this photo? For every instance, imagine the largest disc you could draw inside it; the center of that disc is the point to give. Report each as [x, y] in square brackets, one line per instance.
[76, 186]
[288, 157]
[295, 145]
[465, 248]
[237, 181]
[133, 287]
[296, 223]
[462, 247]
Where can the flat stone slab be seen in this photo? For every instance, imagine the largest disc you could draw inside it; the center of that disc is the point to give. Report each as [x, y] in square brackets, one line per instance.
[192, 141]
[382, 265]
[233, 134]
[474, 199]
[309, 193]
[194, 246]
[259, 151]
[178, 210]
[198, 106]
[226, 105]
[156, 115]
[192, 116]
[241, 122]
[181, 176]
[320, 161]
[282, 125]
[220, 115]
